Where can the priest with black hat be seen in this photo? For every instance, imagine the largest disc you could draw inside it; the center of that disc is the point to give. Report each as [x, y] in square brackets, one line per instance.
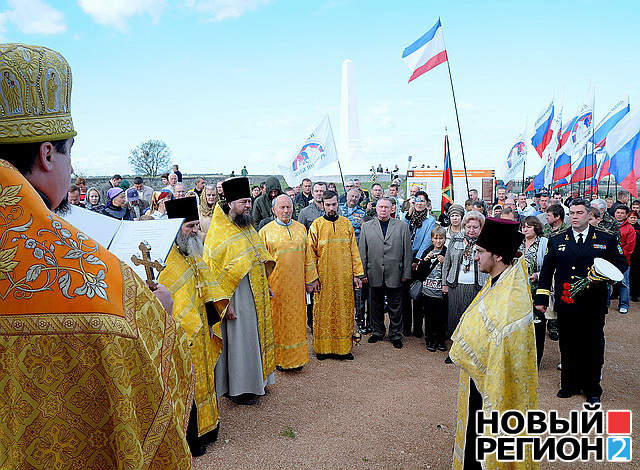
[241, 264]
[494, 344]
[194, 293]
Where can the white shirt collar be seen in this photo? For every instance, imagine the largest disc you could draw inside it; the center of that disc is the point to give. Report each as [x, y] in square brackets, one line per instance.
[584, 233]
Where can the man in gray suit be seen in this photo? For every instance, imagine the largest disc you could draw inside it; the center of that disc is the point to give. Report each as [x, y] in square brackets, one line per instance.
[385, 249]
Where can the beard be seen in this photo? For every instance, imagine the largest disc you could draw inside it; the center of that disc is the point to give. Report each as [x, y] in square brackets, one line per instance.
[190, 245]
[242, 220]
[63, 208]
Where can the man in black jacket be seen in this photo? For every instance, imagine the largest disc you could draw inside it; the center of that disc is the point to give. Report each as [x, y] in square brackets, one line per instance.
[570, 255]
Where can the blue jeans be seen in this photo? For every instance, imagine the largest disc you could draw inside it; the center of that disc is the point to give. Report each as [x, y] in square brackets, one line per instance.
[624, 291]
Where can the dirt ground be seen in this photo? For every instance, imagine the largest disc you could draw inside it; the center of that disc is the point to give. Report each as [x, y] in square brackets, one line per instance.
[393, 409]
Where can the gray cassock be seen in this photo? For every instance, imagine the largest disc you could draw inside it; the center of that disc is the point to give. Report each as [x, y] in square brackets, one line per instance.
[239, 368]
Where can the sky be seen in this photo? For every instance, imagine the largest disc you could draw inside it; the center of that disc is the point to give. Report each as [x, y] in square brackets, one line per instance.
[227, 83]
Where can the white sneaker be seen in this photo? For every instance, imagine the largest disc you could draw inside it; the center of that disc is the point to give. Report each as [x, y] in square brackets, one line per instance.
[623, 310]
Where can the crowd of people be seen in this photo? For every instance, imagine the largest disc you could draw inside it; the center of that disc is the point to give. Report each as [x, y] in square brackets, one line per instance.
[252, 272]
[388, 255]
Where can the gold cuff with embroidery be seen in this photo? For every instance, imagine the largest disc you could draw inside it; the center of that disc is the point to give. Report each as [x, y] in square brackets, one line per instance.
[543, 292]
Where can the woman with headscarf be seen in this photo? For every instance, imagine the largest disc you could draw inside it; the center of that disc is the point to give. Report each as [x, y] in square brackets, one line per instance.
[116, 205]
[157, 209]
[461, 278]
[454, 229]
[93, 200]
[206, 207]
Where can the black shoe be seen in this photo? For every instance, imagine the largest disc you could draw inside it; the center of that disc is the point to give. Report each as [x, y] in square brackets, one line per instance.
[279, 368]
[292, 369]
[374, 339]
[246, 399]
[431, 346]
[563, 393]
[368, 330]
[197, 449]
[345, 357]
[322, 357]
[553, 336]
[441, 346]
[634, 299]
[397, 343]
[593, 400]
[211, 436]
[448, 360]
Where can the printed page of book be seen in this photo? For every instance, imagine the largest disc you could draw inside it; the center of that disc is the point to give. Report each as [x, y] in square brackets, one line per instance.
[160, 234]
[98, 226]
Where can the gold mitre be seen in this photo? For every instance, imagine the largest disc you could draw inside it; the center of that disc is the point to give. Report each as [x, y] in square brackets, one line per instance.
[35, 95]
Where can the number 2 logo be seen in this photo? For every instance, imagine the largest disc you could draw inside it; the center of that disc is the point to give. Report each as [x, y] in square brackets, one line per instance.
[619, 449]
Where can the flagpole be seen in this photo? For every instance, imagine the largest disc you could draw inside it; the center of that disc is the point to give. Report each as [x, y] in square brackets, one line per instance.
[464, 162]
[337, 158]
[524, 166]
[593, 135]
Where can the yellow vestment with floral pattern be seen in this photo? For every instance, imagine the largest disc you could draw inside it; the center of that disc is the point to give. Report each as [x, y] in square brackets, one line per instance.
[190, 283]
[494, 344]
[94, 373]
[334, 259]
[288, 244]
[233, 252]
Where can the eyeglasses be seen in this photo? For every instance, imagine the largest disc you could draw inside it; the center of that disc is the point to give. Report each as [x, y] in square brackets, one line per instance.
[420, 200]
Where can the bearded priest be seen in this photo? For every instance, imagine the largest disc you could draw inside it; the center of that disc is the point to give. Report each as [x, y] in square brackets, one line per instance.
[94, 372]
[240, 265]
[196, 309]
[494, 345]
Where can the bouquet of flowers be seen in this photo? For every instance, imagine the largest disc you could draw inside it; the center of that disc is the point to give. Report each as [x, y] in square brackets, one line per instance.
[602, 270]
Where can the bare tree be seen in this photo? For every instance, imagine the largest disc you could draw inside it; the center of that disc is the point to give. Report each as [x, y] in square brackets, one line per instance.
[150, 158]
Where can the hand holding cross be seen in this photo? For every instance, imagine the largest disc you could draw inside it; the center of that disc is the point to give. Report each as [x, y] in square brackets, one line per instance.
[149, 265]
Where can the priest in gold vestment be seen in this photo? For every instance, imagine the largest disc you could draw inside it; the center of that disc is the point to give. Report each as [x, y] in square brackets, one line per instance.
[193, 291]
[94, 372]
[494, 345]
[333, 267]
[286, 240]
[240, 265]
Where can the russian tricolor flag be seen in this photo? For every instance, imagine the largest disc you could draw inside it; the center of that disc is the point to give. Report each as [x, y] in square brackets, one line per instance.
[623, 146]
[615, 115]
[537, 182]
[585, 169]
[426, 53]
[561, 167]
[544, 132]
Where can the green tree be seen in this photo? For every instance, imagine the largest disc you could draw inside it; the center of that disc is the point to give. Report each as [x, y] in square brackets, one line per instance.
[150, 158]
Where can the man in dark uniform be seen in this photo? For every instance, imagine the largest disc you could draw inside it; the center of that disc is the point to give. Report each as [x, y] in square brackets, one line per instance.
[569, 257]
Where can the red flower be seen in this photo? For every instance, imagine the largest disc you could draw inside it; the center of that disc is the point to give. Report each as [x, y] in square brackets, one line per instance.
[566, 293]
[566, 285]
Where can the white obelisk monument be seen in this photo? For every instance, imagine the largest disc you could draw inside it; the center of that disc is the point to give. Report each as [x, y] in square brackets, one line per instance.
[349, 146]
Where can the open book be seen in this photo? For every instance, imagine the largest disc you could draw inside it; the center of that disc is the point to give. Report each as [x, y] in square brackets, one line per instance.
[122, 237]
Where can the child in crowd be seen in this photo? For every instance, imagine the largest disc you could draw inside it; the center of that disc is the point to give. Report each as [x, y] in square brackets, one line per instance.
[431, 301]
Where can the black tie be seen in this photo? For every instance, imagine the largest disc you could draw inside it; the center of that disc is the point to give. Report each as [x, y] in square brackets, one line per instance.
[580, 239]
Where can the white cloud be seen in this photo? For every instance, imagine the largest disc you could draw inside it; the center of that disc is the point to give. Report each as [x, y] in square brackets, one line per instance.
[33, 17]
[218, 10]
[116, 12]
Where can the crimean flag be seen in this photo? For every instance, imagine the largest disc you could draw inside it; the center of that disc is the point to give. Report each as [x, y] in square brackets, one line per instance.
[425, 53]
[447, 175]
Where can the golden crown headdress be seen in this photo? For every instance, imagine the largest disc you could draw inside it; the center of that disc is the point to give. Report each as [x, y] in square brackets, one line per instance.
[35, 95]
